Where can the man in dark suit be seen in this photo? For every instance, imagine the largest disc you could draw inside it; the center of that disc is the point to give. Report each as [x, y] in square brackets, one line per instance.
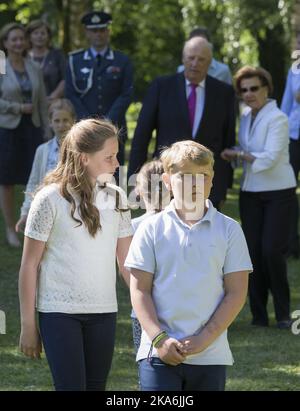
[189, 105]
[99, 80]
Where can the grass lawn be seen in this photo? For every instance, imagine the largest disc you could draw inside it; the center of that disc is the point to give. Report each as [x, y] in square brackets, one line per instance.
[265, 359]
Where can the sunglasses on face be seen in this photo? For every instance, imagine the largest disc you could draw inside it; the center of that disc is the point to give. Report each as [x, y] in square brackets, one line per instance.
[253, 89]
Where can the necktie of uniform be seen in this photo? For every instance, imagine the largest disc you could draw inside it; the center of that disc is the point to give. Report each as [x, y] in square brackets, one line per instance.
[192, 103]
[99, 58]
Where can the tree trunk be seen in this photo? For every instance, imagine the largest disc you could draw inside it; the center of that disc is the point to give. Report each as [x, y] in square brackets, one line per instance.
[272, 56]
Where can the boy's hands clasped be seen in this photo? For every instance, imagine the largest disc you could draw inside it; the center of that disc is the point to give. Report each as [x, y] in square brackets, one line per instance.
[171, 351]
[191, 345]
[174, 352]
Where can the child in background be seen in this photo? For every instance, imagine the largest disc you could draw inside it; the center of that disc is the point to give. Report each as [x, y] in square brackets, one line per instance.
[74, 232]
[154, 195]
[189, 275]
[61, 117]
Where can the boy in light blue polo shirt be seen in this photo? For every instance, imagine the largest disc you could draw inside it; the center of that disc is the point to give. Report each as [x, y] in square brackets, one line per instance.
[189, 277]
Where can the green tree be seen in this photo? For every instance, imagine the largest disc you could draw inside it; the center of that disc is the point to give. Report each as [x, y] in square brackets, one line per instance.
[244, 32]
[152, 32]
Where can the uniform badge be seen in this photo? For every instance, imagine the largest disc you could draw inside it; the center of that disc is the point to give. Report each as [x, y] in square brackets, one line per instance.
[113, 69]
[95, 19]
[85, 70]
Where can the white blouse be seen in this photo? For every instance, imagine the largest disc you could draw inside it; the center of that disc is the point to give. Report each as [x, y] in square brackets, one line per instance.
[77, 271]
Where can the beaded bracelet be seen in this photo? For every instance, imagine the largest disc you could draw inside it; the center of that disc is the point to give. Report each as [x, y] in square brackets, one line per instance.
[158, 338]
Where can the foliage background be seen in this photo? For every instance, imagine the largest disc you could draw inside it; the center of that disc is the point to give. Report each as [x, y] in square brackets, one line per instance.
[152, 32]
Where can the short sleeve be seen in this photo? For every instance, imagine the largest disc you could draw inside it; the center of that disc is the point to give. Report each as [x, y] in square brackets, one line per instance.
[141, 254]
[40, 218]
[237, 255]
[125, 228]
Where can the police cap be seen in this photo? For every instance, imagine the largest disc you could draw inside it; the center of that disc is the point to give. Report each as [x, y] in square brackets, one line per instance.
[96, 20]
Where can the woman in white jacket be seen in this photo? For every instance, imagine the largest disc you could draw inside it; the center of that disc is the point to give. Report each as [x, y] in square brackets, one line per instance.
[61, 117]
[267, 193]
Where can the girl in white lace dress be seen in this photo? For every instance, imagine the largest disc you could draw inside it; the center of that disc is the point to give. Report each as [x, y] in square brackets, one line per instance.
[76, 228]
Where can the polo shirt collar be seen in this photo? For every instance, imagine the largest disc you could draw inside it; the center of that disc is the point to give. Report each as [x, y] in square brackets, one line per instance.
[209, 215]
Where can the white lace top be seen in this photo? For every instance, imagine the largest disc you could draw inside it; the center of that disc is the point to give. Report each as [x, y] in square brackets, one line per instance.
[77, 271]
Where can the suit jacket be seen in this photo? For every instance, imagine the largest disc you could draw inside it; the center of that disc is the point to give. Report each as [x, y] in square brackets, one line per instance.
[11, 97]
[165, 110]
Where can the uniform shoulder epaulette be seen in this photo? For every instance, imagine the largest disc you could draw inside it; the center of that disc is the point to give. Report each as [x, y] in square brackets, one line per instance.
[75, 52]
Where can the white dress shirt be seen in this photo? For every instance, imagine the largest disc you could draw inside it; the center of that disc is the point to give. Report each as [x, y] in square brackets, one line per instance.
[200, 101]
[101, 52]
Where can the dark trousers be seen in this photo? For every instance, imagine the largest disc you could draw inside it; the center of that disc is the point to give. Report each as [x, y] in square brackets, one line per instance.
[158, 376]
[295, 163]
[266, 223]
[79, 349]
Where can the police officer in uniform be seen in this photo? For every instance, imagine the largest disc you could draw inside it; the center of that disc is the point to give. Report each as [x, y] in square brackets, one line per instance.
[99, 80]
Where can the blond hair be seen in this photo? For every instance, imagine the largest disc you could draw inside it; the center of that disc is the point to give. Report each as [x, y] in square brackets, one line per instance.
[175, 157]
[61, 104]
[149, 185]
[86, 136]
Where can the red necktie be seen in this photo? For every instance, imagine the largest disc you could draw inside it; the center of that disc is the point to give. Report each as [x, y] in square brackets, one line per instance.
[192, 103]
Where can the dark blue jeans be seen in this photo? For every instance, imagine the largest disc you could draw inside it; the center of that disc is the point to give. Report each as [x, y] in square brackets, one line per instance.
[79, 349]
[158, 376]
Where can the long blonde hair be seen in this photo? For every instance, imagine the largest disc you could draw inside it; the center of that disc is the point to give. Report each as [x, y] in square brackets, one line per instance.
[86, 136]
